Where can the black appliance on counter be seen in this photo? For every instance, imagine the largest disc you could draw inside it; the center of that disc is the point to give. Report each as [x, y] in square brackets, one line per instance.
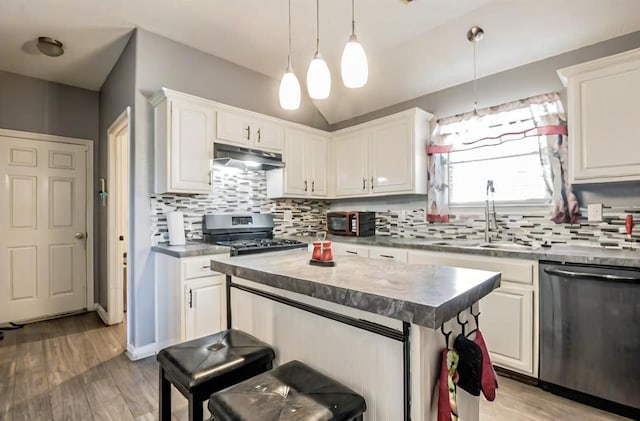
[245, 233]
[353, 223]
[590, 335]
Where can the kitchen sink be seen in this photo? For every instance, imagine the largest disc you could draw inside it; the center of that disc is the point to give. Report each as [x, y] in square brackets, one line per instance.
[507, 246]
[456, 243]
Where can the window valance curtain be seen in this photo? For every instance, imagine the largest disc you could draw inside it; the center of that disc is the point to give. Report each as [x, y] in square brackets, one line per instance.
[541, 116]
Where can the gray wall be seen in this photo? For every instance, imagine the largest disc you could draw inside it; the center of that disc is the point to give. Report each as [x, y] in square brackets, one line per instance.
[522, 82]
[36, 105]
[116, 94]
[161, 62]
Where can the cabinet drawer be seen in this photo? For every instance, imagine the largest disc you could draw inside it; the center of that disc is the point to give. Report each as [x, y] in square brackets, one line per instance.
[398, 255]
[197, 267]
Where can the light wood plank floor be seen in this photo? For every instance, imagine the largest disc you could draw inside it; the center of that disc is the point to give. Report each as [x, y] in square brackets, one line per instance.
[75, 368]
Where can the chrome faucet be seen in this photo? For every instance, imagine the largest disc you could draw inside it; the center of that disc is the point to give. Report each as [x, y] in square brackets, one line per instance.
[489, 212]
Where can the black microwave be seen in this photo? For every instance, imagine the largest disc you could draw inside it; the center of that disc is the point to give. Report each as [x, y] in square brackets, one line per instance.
[353, 223]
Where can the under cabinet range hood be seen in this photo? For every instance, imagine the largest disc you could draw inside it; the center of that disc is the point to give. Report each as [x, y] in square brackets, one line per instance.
[245, 158]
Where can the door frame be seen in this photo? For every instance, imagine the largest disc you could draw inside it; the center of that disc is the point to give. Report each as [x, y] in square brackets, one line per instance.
[115, 292]
[90, 228]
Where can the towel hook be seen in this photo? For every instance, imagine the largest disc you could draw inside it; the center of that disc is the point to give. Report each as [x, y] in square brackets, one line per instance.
[463, 325]
[476, 317]
[446, 335]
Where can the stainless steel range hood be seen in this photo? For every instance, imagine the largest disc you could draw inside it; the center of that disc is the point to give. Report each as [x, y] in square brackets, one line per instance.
[245, 158]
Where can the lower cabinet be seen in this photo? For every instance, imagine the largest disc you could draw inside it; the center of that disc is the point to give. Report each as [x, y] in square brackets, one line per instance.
[509, 320]
[190, 299]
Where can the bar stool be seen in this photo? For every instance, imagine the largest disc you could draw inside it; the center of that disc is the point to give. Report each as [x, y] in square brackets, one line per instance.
[292, 392]
[206, 365]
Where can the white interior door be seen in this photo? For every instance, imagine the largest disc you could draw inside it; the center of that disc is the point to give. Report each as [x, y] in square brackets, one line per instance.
[42, 228]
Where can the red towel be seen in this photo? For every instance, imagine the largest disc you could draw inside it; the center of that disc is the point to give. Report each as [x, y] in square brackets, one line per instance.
[447, 406]
[489, 382]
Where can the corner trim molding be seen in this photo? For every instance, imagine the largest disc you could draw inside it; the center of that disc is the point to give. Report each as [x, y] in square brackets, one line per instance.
[139, 353]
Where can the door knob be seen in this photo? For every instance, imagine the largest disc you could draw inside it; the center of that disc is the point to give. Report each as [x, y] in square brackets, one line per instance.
[78, 235]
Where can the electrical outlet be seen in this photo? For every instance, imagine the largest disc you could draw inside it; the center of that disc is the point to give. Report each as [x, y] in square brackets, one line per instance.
[594, 212]
[288, 216]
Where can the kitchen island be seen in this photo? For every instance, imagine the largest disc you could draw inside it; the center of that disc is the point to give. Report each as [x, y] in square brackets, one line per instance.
[370, 324]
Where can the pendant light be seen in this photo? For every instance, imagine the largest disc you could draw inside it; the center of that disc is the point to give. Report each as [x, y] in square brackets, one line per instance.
[289, 86]
[355, 70]
[474, 35]
[318, 75]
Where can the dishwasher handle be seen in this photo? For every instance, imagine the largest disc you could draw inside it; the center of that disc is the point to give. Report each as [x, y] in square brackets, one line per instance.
[590, 275]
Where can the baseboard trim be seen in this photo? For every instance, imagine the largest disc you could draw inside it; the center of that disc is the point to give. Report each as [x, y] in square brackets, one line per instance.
[102, 313]
[139, 353]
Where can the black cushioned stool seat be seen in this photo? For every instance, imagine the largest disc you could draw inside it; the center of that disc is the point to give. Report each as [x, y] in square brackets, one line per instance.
[206, 365]
[292, 392]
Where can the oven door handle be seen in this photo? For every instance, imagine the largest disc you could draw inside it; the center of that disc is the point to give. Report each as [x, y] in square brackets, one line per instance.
[590, 275]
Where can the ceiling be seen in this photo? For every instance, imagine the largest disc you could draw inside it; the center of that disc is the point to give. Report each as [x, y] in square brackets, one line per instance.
[413, 49]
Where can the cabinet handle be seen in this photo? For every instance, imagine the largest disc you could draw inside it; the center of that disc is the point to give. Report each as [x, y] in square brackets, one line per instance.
[351, 252]
[387, 256]
[259, 135]
[305, 185]
[190, 298]
[248, 129]
[364, 183]
[206, 267]
[210, 178]
[372, 186]
[588, 275]
[313, 186]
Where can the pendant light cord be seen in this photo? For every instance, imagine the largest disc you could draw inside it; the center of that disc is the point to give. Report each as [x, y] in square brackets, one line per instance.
[353, 17]
[475, 93]
[317, 26]
[289, 57]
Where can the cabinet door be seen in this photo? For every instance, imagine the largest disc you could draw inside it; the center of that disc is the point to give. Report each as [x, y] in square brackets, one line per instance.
[316, 164]
[507, 326]
[205, 307]
[267, 135]
[603, 118]
[192, 137]
[295, 172]
[391, 155]
[351, 164]
[234, 128]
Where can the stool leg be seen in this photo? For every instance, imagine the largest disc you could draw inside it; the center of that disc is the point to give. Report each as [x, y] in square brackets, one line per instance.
[165, 397]
[195, 409]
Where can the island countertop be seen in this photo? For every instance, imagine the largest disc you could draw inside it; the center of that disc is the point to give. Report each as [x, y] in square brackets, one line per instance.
[425, 295]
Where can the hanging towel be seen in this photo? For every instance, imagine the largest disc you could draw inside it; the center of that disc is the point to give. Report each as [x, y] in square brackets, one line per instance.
[470, 364]
[447, 405]
[489, 380]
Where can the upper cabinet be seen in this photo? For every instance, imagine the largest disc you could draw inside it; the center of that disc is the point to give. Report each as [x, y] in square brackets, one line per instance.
[603, 110]
[305, 172]
[184, 135]
[382, 157]
[245, 129]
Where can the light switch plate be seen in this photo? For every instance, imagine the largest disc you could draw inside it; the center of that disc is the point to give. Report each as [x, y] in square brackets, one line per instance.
[594, 212]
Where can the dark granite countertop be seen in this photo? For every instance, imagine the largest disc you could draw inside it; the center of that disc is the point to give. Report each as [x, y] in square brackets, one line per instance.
[425, 295]
[557, 253]
[190, 249]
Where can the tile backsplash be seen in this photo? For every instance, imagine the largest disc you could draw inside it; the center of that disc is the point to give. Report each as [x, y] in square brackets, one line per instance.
[238, 191]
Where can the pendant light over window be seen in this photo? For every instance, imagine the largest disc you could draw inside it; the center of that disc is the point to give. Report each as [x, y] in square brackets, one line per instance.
[289, 85]
[474, 35]
[318, 75]
[354, 66]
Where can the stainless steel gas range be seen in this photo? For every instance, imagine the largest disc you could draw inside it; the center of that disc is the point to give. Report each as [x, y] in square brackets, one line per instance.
[245, 233]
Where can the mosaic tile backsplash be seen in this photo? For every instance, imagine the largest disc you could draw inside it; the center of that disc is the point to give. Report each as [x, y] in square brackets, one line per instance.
[238, 191]
[609, 233]
[247, 192]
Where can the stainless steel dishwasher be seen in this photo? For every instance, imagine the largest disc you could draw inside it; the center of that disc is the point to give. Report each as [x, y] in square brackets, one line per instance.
[590, 334]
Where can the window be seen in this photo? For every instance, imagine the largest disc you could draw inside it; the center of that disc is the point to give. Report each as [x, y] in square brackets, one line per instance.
[514, 166]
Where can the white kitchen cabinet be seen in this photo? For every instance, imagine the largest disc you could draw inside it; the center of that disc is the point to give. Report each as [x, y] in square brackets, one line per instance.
[184, 137]
[509, 320]
[305, 172]
[383, 156]
[345, 249]
[248, 130]
[388, 253]
[603, 112]
[190, 299]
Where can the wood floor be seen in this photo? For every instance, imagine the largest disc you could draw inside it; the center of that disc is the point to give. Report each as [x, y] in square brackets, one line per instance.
[75, 369]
